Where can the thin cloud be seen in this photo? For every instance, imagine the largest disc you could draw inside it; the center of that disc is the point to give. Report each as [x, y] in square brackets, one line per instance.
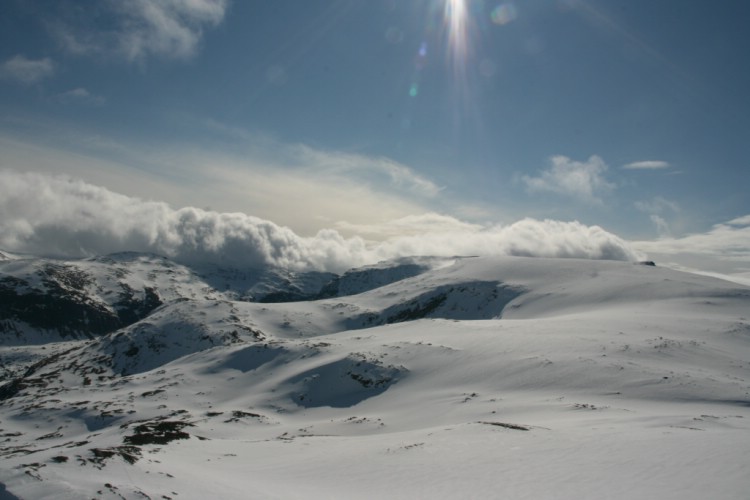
[52, 215]
[662, 226]
[723, 251]
[23, 70]
[142, 28]
[584, 181]
[80, 95]
[656, 208]
[366, 168]
[428, 223]
[647, 165]
[728, 241]
[301, 196]
[657, 205]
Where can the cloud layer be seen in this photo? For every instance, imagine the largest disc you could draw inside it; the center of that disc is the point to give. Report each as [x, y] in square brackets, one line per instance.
[49, 215]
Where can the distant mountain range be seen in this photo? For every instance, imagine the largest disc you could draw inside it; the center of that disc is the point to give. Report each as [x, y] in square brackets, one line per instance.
[46, 300]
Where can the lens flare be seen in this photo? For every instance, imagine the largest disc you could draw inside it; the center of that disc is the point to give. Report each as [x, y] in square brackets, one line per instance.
[504, 14]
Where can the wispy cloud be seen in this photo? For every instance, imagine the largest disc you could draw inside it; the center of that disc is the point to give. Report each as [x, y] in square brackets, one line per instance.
[647, 165]
[584, 181]
[657, 205]
[656, 208]
[427, 223]
[45, 214]
[141, 28]
[300, 195]
[662, 226]
[23, 70]
[80, 95]
[365, 167]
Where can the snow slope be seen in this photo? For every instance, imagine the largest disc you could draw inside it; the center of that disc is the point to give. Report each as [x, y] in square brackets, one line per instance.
[501, 377]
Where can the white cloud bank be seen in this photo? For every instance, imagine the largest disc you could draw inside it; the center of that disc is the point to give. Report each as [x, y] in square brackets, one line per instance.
[51, 215]
[583, 181]
[142, 28]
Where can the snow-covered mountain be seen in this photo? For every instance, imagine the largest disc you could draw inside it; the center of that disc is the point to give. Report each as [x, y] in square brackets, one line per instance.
[47, 300]
[131, 376]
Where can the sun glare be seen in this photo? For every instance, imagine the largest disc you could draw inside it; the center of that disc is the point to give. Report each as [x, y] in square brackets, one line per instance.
[456, 20]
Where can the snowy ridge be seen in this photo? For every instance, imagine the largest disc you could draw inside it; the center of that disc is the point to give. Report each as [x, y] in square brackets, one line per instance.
[384, 273]
[445, 378]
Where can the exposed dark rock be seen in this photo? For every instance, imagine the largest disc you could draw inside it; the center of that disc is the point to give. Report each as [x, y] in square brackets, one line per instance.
[131, 309]
[130, 454]
[70, 312]
[161, 432]
[64, 303]
[515, 427]
[417, 310]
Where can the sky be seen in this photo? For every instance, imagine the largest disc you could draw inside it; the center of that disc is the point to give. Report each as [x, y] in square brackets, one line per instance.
[380, 120]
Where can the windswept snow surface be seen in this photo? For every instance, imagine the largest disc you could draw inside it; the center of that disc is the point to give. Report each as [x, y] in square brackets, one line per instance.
[503, 377]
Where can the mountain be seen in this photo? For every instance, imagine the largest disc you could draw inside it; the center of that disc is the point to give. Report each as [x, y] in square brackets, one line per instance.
[131, 376]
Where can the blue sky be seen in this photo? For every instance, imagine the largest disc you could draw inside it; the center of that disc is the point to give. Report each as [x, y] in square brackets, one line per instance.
[353, 114]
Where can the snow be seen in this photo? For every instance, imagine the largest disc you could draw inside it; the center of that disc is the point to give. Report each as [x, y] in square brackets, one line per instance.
[529, 378]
